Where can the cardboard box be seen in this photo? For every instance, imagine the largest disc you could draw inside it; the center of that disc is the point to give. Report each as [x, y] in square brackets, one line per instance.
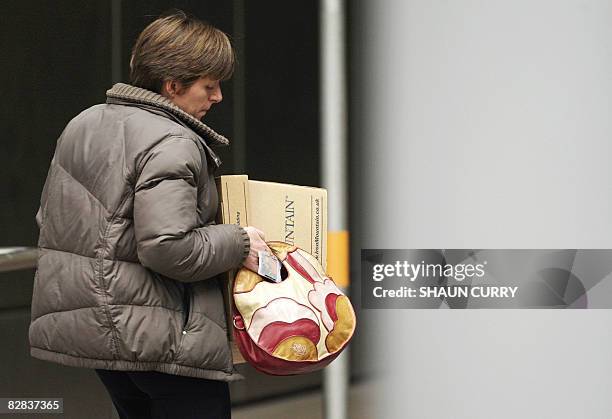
[289, 213]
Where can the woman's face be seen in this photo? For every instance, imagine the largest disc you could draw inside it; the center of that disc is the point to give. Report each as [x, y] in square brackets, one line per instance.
[196, 99]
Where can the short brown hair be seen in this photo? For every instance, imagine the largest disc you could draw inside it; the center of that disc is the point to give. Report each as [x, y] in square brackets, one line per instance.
[180, 47]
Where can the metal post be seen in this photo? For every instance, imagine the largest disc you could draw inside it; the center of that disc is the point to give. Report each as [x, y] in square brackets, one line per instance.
[334, 176]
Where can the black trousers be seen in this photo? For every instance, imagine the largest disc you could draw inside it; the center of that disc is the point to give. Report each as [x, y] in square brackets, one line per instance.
[154, 395]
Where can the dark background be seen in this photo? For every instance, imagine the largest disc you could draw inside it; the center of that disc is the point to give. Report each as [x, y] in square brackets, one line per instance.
[57, 60]
[60, 57]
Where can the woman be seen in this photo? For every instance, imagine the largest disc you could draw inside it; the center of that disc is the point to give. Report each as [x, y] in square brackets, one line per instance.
[129, 252]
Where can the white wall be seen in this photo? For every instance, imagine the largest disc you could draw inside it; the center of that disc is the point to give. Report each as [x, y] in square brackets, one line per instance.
[486, 124]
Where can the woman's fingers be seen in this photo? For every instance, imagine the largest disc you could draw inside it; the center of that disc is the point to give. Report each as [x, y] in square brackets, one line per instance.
[258, 244]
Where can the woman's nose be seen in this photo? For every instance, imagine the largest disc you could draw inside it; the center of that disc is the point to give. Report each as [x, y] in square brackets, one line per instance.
[217, 96]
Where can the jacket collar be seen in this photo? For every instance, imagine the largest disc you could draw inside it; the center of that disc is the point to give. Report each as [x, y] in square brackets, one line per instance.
[121, 93]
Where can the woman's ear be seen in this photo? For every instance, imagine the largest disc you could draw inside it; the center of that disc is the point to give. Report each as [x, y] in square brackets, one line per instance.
[171, 88]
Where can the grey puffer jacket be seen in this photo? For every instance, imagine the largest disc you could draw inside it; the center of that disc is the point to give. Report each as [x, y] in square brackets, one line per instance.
[129, 251]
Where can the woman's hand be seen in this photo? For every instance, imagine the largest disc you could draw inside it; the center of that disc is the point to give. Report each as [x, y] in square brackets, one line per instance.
[258, 244]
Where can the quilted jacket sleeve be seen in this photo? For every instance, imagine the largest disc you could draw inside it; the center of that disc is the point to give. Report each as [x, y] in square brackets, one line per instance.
[166, 220]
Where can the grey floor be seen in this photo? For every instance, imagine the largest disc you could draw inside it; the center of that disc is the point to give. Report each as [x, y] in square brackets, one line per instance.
[310, 406]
